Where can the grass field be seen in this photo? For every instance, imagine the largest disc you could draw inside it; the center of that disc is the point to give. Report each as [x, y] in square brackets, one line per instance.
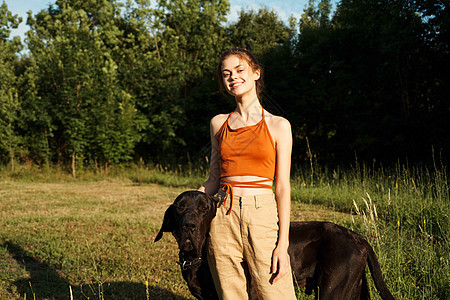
[95, 237]
[92, 237]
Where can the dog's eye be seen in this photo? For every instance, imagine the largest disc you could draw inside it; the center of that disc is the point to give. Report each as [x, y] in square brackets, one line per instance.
[204, 208]
[180, 208]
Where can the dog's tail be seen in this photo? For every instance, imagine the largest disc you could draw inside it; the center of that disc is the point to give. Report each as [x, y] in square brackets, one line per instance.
[377, 277]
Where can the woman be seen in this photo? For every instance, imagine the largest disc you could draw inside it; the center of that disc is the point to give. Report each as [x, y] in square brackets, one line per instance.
[251, 228]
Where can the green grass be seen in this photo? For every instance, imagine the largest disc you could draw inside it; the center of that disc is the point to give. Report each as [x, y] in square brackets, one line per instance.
[406, 219]
[92, 236]
[96, 237]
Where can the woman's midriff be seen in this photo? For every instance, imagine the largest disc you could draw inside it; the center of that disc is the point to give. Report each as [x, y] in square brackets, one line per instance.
[242, 191]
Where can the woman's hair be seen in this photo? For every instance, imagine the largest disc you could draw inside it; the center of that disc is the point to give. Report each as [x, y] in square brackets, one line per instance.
[252, 62]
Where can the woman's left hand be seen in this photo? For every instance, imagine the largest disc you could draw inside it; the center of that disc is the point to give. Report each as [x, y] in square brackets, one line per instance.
[280, 263]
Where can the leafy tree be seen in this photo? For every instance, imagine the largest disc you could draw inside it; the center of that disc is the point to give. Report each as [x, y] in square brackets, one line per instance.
[306, 88]
[259, 31]
[316, 16]
[34, 124]
[9, 102]
[363, 81]
[385, 60]
[188, 37]
[92, 118]
[433, 76]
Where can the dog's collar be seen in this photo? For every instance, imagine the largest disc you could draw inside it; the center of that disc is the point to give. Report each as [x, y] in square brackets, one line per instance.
[187, 264]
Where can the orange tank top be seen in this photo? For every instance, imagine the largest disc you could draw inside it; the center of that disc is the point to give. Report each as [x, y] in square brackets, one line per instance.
[246, 151]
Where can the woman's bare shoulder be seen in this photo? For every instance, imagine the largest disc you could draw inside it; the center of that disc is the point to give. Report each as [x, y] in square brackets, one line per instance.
[277, 123]
[217, 121]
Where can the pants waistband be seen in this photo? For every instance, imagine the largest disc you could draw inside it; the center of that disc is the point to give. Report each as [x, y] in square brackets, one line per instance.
[248, 200]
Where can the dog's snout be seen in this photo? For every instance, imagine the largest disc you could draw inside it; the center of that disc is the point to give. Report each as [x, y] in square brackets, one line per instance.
[189, 226]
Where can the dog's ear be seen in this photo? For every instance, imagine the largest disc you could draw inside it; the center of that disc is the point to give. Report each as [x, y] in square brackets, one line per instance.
[214, 199]
[168, 224]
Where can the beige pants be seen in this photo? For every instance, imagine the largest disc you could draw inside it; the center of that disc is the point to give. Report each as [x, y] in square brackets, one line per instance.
[248, 234]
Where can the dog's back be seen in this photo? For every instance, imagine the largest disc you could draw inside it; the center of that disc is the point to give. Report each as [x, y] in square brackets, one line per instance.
[333, 258]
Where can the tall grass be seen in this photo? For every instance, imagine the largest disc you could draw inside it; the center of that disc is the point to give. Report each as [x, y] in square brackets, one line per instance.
[404, 214]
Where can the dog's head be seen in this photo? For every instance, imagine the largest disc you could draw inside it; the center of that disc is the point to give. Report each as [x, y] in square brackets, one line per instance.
[188, 219]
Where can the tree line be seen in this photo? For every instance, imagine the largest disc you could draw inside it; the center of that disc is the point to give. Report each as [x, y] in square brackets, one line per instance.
[105, 82]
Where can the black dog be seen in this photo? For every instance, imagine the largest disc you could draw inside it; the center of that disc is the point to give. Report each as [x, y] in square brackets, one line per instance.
[329, 259]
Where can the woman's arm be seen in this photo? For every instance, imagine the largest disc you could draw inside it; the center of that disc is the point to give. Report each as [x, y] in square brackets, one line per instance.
[211, 185]
[283, 142]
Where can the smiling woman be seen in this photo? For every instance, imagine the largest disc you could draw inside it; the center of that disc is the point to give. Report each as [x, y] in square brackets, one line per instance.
[248, 146]
[238, 77]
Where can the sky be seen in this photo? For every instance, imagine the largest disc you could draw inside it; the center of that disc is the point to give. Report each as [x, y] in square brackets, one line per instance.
[283, 8]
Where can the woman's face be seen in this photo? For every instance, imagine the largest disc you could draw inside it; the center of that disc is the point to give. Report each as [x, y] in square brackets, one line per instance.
[238, 77]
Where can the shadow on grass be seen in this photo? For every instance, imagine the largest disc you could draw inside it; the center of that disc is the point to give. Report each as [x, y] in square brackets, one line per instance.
[46, 282]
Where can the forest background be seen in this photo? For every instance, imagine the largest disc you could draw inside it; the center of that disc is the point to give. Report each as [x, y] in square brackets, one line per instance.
[105, 83]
